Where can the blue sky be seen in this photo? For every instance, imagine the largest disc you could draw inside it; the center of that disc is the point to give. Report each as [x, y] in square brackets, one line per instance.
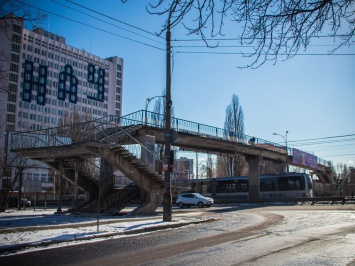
[311, 96]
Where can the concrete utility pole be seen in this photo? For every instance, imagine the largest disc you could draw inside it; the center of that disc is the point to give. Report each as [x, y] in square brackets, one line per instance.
[167, 200]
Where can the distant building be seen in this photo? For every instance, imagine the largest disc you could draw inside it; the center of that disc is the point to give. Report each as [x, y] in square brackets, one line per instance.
[183, 169]
[46, 79]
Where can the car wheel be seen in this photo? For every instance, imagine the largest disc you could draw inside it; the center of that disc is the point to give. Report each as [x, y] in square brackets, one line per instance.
[181, 205]
[200, 204]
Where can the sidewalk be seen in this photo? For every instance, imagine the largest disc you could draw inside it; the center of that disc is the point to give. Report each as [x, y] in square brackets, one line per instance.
[29, 228]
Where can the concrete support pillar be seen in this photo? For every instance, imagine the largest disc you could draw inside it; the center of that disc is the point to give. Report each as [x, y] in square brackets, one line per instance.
[106, 177]
[198, 187]
[213, 187]
[254, 176]
[61, 169]
[148, 151]
[76, 178]
[149, 208]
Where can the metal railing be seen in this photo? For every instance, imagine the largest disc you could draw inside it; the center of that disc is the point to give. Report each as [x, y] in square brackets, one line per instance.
[94, 130]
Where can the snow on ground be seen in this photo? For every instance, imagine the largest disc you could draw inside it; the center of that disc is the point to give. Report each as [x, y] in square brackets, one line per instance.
[38, 228]
[34, 227]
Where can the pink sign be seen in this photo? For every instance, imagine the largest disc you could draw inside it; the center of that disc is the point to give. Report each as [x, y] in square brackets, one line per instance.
[303, 158]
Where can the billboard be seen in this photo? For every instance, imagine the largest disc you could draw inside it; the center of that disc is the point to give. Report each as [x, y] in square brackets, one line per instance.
[304, 158]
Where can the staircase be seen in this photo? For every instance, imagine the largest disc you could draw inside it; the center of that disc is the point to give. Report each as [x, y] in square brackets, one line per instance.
[113, 202]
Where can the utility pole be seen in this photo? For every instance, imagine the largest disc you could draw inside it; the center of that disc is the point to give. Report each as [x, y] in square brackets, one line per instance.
[167, 200]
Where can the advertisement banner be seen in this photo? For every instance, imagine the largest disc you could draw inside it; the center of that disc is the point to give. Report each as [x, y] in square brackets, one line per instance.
[303, 158]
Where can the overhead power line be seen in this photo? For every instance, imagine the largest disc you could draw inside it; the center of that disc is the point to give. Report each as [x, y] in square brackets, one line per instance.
[332, 137]
[117, 20]
[245, 38]
[241, 53]
[96, 28]
[109, 23]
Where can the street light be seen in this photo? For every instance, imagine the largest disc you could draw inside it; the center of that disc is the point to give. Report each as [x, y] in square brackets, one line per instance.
[285, 139]
[148, 100]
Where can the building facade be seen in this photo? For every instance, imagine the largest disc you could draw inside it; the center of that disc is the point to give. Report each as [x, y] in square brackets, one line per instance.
[183, 169]
[44, 79]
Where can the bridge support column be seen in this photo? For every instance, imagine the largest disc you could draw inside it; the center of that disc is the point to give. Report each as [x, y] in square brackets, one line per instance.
[76, 178]
[155, 198]
[106, 177]
[254, 176]
[148, 152]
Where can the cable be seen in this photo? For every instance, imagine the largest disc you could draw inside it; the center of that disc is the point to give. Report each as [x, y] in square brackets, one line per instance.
[104, 21]
[240, 53]
[137, 28]
[91, 26]
[237, 39]
[341, 136]
[244, 46]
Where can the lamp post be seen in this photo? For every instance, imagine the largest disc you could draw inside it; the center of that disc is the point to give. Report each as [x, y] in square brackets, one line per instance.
[148, 100]
[285, 139]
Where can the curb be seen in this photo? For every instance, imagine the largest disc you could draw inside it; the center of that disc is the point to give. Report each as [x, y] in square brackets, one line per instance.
[18, 247]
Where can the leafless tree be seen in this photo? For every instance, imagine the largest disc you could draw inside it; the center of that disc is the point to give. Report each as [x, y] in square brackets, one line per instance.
[234, 130]
[342, 170]
[210, 169]
[11, 162]
[272, 27]
[221, 166]
[75, 125]
[159, 117]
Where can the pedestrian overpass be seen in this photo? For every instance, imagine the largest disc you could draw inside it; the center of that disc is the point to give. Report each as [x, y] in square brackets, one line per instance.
[127, 143]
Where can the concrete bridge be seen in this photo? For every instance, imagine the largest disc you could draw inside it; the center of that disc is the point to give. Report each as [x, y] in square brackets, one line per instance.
[128, 143]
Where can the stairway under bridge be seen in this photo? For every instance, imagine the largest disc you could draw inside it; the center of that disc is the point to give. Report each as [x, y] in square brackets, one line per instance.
[127, 143]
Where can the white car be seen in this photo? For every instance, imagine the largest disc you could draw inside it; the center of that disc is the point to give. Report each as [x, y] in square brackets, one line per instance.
[193, 199]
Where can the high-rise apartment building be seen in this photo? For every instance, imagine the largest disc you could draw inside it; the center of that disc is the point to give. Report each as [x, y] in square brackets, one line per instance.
[43, 79]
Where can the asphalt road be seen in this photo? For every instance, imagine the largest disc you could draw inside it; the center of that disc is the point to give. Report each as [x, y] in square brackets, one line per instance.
[253, 235]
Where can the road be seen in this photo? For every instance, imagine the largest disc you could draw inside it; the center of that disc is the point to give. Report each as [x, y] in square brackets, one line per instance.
[245, 235]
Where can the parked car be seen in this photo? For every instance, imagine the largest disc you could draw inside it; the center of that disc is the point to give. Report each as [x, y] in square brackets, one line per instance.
[12, 202]
[193, 199]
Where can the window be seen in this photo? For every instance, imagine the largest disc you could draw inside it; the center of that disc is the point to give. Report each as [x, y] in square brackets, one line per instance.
[16, 28]
[44, 178]
[28, 176]
[15, 58]
[16, 38]
[10, 118]
[15, 48]
[13, 67]
[11, 107]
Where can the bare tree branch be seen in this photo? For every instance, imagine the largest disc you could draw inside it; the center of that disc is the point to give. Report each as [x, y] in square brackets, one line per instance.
[274, 27]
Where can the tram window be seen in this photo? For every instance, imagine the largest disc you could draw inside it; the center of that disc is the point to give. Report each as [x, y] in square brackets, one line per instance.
[242, 185]
[268, 184]
[291, 183]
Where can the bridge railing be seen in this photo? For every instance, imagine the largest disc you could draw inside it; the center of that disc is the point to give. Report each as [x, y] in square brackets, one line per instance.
[180, 125]
[93, 130]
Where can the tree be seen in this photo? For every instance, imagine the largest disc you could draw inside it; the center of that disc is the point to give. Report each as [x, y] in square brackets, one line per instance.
[234, 131]
[159, 118]
[210, 170]
[272, 27]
